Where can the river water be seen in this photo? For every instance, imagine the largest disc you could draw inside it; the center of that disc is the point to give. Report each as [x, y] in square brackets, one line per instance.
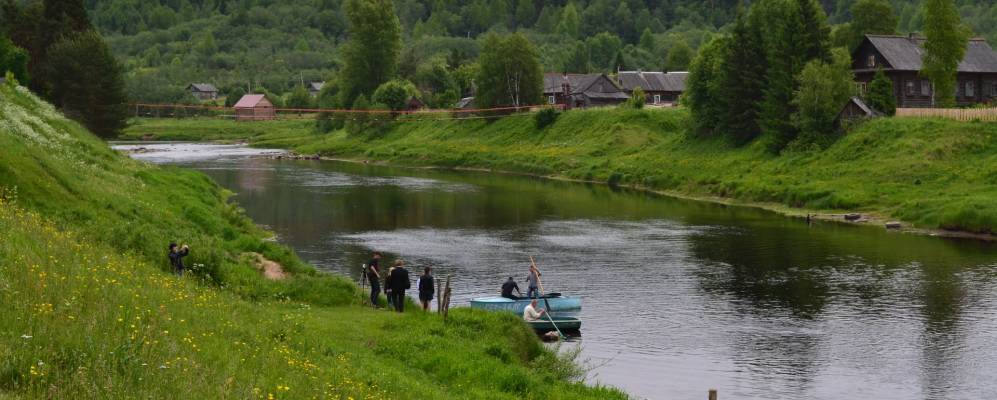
[679, 296]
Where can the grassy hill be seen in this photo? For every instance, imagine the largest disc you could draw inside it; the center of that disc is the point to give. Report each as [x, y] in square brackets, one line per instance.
[932, 173]
[91, 312]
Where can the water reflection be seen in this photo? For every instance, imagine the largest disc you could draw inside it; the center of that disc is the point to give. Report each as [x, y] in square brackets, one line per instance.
[679, 296]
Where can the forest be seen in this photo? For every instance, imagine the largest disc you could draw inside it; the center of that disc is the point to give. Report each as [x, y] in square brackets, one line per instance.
[278, 45]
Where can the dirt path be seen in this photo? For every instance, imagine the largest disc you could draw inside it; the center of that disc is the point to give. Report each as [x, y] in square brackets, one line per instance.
[271, 269]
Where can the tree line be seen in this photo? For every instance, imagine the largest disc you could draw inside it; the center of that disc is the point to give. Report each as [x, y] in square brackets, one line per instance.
[782, 74]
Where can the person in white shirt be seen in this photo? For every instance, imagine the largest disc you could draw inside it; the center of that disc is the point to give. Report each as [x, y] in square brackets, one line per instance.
[531, 313]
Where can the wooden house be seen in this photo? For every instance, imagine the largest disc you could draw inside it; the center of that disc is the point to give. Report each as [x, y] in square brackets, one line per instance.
[254, 107]
[582, 90]
[659, 88]
[900, 59]
[856, 109]
[203, 91]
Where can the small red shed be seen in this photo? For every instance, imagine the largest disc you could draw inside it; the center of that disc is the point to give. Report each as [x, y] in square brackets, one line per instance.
[254, 107]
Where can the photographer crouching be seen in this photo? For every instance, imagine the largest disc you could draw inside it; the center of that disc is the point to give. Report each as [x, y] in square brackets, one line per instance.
[176, 257]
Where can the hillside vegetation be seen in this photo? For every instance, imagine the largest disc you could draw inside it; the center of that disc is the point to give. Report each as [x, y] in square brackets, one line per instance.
[90, 311]
[933, 173]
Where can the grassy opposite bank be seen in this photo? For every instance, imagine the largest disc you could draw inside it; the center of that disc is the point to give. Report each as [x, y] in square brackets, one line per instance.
[90, 311]
[932, 173]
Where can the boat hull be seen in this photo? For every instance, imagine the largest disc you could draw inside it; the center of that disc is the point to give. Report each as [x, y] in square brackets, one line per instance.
[565, 324]
[559, 306]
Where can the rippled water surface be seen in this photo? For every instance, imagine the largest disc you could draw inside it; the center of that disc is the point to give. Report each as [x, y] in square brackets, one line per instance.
[679, 296]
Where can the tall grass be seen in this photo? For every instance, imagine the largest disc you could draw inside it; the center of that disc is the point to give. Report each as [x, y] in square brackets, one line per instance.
[933, 173]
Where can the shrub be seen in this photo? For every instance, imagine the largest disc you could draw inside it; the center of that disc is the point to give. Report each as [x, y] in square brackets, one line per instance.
[545, 117]
[637, 98]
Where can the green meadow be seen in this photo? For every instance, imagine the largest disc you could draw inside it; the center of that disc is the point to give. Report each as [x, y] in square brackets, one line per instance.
[91, 310]
[932, 173]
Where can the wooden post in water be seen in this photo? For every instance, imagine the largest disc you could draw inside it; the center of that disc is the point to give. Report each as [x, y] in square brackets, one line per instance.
[713, 394]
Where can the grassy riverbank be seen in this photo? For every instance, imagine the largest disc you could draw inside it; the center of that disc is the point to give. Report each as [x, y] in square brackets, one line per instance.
[90, 310]
[931, 173]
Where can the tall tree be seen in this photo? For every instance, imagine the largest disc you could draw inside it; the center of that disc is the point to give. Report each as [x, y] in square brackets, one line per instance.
[824, 88]
[944, 49]
[510, 73]
[371, 52]
[571, 22]
[679, 56]
[526, 13]
[87, 83]
[872, 17]
[647, 41]
[703, 94]
[579, 59]
[744, 81]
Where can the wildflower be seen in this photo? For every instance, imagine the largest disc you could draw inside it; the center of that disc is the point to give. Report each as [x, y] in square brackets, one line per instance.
[26, 336]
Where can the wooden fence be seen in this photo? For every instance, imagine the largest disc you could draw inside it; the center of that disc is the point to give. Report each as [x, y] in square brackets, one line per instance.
[960, 114]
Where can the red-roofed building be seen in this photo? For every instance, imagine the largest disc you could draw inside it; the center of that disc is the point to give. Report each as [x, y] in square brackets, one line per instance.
[254, 107]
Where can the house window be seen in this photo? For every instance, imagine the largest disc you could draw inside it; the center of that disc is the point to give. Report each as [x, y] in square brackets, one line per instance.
[993, 89]
[862, 87]
[657, 99]
[970, 89]
[925, 87]
[550, 99]
[910, 87]
[871, 61]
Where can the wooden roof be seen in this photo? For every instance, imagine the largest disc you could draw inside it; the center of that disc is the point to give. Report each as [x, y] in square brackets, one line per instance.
[904, 53]
[203, 87]
[587, 84]
[653, 81]
[252, 101]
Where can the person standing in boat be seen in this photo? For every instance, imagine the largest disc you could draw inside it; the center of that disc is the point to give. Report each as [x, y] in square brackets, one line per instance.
[374, 277]
[531, 313]
[508, 287]
[400, 282]
[426, 288]
[531, 282]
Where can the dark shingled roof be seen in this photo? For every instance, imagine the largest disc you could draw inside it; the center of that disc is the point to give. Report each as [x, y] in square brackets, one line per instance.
[653, 81]
[904, 53]
[203, 87]
[315, 86]
[582, 84]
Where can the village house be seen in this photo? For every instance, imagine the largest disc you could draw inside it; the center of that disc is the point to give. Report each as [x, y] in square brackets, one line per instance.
[254, 107]
[582, 90]
[203, 91]
[660, 88]
[900, 59]
[314, 88]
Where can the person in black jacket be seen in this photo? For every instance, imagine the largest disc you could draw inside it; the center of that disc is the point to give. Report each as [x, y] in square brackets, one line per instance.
[176, 256]
[426, 288]
[398, 282]
[374, 277]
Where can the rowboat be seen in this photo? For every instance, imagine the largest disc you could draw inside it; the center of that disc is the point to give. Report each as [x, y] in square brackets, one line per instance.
[559, 305]
[563, 323]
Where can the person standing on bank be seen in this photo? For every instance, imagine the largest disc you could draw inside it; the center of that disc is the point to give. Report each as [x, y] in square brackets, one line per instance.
[176, 256]
[426, 288]
[399, 283]
[374, 277]
[531, 280]
[388, 286]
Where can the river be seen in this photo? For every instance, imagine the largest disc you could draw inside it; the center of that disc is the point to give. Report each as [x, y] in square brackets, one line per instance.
[679, 296]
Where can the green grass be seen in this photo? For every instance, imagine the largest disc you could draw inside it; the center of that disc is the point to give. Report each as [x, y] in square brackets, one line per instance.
[933, 173]
[90, 311]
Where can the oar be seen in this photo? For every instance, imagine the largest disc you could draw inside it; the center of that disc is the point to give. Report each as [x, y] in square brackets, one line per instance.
[546, 303]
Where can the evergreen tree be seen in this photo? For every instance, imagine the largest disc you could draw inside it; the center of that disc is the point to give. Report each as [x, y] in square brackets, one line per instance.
[744, 81]
[880, 94]
[526, 13]
[87, 83]
[815, 33]
[619, 62]
[647, 41]
[944, 49]
[703, 93]
[871, 17]
[571, 22]
[13, 59]
[509, 73]
[579, 60]
[371, 53]
[679, 56]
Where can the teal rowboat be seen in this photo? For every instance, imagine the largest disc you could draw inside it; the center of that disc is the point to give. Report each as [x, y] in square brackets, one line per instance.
[559, 305]
[564, 323]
